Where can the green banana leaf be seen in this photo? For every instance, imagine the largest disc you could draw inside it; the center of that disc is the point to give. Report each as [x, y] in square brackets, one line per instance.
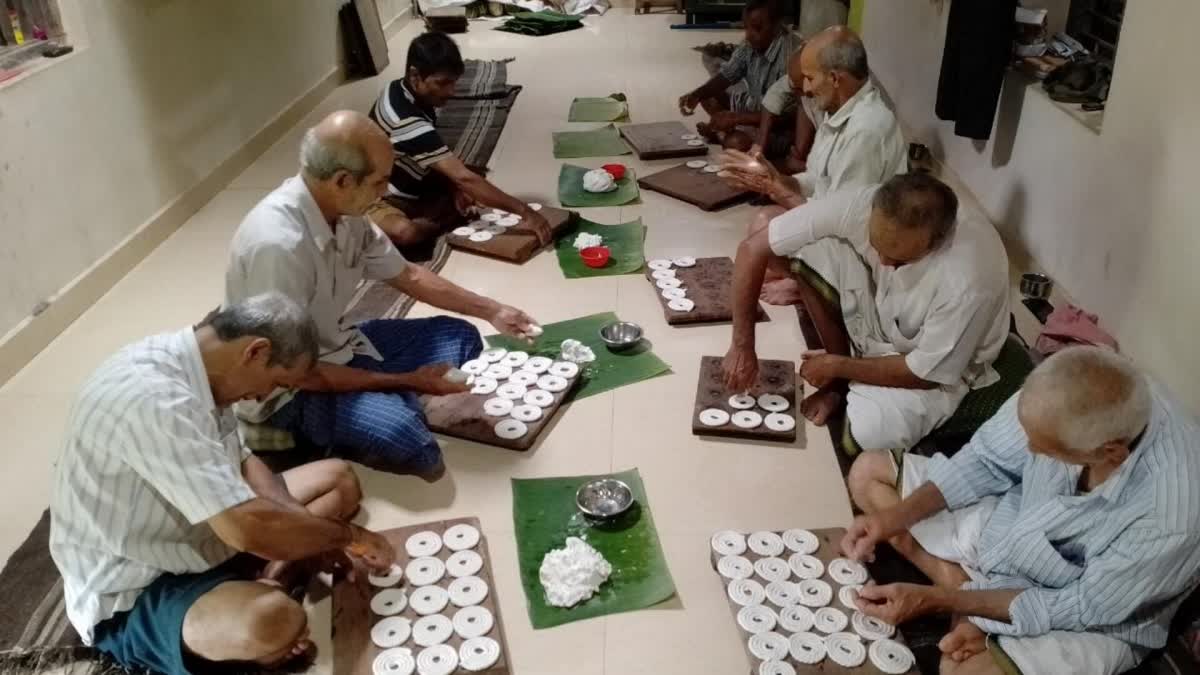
[603, 142]
[611, 108]
[544, 515]
[571, 192]
[540, 23]
[625, 241]
[609, 371]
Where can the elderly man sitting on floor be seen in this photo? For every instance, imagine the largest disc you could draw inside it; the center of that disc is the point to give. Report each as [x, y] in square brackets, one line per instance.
[910, 301]
[155, 496]
[1067, 527]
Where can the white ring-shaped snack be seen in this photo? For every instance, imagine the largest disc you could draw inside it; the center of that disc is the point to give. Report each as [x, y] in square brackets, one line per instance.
[714, 417]
[527, 413]
[741, 401]
[423, 544]
[461, 537]
[772, 569]
[432, 630]
[684, 261]
[689, 137]
[783, 593]
[468, 591]
[735, 567]
[801, 541]
[806, 566]
[756, 619]
[394, 662]
[712, 168]
[515, 359]
[470, 622]
[497, 407]
[493, 355]
[480, 236]
[807, 648]
[815, 593]
[796, 618]
[553, 383]
[768, 646]
[847, 572]
[662, 274]
[512, 391]
[775, 667]
[509, 221]
[669, 282]
[391, 632]
[846, 650]
[746, 592]
[498, 371]
[463, 231]
[523, 377]
[437, 660]
[871, 628]
[389, 601]
[428, 600]
[490, 217]
[393, 577]
[746, 419]
[681, 305]
[538, 364]
[484, 385]
[848, 594]
[534, 206]
[474, 367]
[478, 654]
[539, 397]
[695, 163]
[765, 543]
[695, 144]
[673, 293]
[564, 369]
[510, 429]
[425, 571]
[891, 657]
[659, 264]
[830, 620]
[464, 564]
[728, 542]
[773, 403]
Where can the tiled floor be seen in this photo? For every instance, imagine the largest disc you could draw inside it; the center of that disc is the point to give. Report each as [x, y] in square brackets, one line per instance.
[695, 486]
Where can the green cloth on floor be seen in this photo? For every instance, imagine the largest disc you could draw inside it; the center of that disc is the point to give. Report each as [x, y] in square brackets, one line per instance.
[571, 192]
[544, 515]
[611, 108]
[545, 22]
[625, 241]
[609, 371]
[603, 142]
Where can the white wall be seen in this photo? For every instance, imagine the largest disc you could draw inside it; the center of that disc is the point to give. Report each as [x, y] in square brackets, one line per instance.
[1114, 217]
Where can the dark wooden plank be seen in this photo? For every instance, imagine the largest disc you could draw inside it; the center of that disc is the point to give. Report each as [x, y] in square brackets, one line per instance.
[774, 377]
[462, 416]
[709, 284]
[661, 140]
[695, 186]
[519, 243]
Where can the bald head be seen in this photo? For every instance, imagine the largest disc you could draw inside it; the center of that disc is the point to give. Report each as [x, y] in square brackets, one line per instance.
[830, 69]
[838, 49]
[346, 140]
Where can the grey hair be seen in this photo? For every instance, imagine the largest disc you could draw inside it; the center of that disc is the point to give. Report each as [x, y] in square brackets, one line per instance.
[847, 55]
[322, 159]
[275, 317]
[918, 200]
[1087, 397]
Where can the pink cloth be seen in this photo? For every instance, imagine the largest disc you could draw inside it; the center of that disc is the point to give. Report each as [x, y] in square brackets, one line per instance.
[1069, 325]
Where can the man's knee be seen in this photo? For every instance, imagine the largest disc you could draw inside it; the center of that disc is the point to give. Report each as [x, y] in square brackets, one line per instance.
[274, 622]
[870, 470]
[762, 218]
[980, 664]
[404, 445]
[458, 331]
[346, 487]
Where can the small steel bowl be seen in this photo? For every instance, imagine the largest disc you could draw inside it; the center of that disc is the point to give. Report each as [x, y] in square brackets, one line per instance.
[621, 335]
[1035, 285]
[604, 498]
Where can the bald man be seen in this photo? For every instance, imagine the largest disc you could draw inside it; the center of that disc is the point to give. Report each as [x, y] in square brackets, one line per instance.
[310, 240]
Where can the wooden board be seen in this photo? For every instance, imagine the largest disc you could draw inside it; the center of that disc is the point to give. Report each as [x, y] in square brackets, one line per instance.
[831, 541]
[709, 284]
[695, 186]
[774, 377]
[353, 650]
[519, 243]
[661, 140]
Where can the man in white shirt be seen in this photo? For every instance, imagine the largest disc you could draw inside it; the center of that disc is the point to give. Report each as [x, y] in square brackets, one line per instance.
[155, 496]
[310, 241]
[910, 301]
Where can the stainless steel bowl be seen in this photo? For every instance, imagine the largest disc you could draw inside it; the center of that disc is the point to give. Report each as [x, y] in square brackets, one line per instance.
[621, 335]
[1035, 285]
[604, 498]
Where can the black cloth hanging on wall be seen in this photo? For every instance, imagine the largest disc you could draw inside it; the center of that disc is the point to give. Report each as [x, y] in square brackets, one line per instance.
[979, 38]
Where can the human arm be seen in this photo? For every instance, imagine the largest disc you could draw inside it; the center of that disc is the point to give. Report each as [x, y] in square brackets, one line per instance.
[265, 529]
[766, 120]
[806, 133]
[483, 192]
[269, 485]
[749, 269]
[867, 531]
[819, 369]
[754, 172]
[334, 378]
[432, 289]
[713, 87]
[898, 603]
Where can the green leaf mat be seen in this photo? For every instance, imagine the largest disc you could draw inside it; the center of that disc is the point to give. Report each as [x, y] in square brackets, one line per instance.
[611, 108]
[571, 192]
[602, 142]
[625, 241]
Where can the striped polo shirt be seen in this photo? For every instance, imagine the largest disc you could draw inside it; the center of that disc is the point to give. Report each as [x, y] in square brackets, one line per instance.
[412, 130]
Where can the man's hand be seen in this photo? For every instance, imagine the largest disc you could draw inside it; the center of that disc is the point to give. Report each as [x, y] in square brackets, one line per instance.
[432, 380]
[896, 603]
[750, 171]
[372, 549]
[540, 226]
[864, 535]
[512, 322]
[722, 121]
[688, 103]
[819, 368]
[741, 369]
[963, 641]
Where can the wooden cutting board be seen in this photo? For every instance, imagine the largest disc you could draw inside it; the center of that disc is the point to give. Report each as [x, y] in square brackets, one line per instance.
[661, 140]
[519, 243]
[462, 416]
[774, 377]
[695, 186]
[353, 650]
[709, 284]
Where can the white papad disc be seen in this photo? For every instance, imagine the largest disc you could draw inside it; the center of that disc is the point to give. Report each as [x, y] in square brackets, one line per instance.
[673, 293]
[741, 401]
[669, 282]
[659, 264]
[478, 654]
[689, 137]
[684, 261]
[768, 646]
[493, 355]
[695, 163]
[848, 594]
[534, 206]
[746, 419]
[437, 660]
[891, 657]
[871, 628]
[432, 630]
[510, 429]
[772, 569]
[501, 212]
[815, 593]
[806, 566]
[388, 580]
[425, 571]
[773, 403]
[490, 217]
[498, 371]
[461, 537]
[484, 385]
[472, 622]
[807, 648]
[781, 422]
[681, 305]
[846, 650]
[796, 619]
[512, 391]
[830, 620]
[467, 591]
[776, 667]
[480, 236]
[564, 369]
[783, 593]
[397, 661]
[423, 544]
[464, 563]
[662, 274]
[728, 542]
[714, 417]
[746, 592]
[389, 601]
[765, 543]
[756, 619]
[847, 572]
[428, 600]
[523, 377]
[735, 567]
[509, 221]
[695, 144]
[474, 367]
[463, 231]
[497, 407]
[539, 397]
[538, 364]
[552, 383]
[515, 359]
[527, 413]
[801, 541]
[391, 632]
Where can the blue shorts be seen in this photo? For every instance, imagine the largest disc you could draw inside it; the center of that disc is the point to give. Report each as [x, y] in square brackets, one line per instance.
[150, 635]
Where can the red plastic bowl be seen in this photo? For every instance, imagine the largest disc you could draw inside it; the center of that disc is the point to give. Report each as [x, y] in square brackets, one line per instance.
[617, 171]
[595, 256]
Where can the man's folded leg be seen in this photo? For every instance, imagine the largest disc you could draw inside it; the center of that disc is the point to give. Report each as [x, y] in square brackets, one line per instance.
[408, 344]
[1063, 653]
[888, 418]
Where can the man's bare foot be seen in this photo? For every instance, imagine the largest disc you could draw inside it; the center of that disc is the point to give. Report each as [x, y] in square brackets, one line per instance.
[963, 641]
[820, 406]
[781, 292]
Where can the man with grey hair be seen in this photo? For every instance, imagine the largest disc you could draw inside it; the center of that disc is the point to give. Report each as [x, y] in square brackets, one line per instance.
[909, 300]
[1068, 529]
[309, 240]
[163, 524]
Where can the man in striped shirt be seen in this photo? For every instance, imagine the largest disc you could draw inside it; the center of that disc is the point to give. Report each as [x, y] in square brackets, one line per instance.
[1069, 526]
[155, 496]
[430, 188]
